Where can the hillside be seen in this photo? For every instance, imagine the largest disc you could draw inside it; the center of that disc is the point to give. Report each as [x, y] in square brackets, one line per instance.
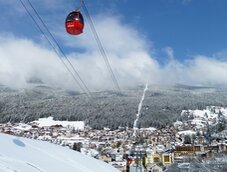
[161, 105]
[27, 155]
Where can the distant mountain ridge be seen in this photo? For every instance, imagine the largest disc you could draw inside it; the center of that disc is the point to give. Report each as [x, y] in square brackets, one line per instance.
[162, 104]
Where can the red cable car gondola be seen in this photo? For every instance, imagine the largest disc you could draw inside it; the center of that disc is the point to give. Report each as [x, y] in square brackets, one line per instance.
[74, 23]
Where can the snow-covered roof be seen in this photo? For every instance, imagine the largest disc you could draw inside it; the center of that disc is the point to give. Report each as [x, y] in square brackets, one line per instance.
[187, 132]
[47, 122]
[74, 138]
[26, 155]
[23, 127]
[148, 129]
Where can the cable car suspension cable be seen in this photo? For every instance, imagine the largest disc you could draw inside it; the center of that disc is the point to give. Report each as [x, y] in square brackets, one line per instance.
[60, 49]
[81, 4]
[102, 51]
[56, 51]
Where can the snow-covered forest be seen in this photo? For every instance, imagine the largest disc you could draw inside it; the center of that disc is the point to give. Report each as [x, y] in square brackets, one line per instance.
[161, 105]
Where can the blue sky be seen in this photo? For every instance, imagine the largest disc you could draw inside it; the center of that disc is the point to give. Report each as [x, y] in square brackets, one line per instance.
[190, 27]
[170, 36]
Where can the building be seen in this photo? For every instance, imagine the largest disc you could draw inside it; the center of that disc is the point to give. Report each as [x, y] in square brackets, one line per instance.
[185, 150]
[167, 158]
[154, 168]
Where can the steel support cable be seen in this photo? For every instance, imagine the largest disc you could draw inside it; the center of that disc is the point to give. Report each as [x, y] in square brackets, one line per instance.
[79, 7]
[52, 45]
[60, 49]
[57, 52]
[102, 51]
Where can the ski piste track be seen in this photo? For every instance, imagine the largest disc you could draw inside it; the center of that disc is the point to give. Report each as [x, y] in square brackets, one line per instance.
[27, 155]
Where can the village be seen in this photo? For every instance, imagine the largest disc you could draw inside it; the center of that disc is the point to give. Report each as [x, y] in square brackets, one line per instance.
[148, 150]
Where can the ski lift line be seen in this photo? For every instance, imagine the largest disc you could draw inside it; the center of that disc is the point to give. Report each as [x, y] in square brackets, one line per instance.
[49, 41]
[79, 7]
[60, 49]
[60, 53]
[52, 45]
[102, 51]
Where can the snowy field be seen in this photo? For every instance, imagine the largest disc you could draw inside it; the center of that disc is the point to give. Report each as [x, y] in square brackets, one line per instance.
[47, 122]
[26, 155]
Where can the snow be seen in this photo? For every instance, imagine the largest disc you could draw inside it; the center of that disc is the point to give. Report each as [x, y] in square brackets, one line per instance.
[186, 132]
[200, 113]
[23, 127]
[177, 124]
[224, 111]
[47, 122]
[160, 148]
[90, 152]
[72, 140]
[151, 129]
[139, 110]
[26, 155]
[208, 116]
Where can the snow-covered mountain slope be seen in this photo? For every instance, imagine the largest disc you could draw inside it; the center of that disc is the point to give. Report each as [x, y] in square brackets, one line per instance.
[26, 155]
[161, 106]
[201, 118]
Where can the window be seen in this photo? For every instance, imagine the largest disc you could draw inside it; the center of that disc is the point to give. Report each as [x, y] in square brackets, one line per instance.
[70, 17]
[166, 158]
[81, 19]
[156, 159]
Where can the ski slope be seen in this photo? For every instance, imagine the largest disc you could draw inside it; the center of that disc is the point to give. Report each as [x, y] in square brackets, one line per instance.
[26, 155]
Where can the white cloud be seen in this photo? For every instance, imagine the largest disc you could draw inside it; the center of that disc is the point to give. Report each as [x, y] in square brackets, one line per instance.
[128, 53]
[21, 59]
[208, 71]
[116, 36]
[200, 70]
[169, 52]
